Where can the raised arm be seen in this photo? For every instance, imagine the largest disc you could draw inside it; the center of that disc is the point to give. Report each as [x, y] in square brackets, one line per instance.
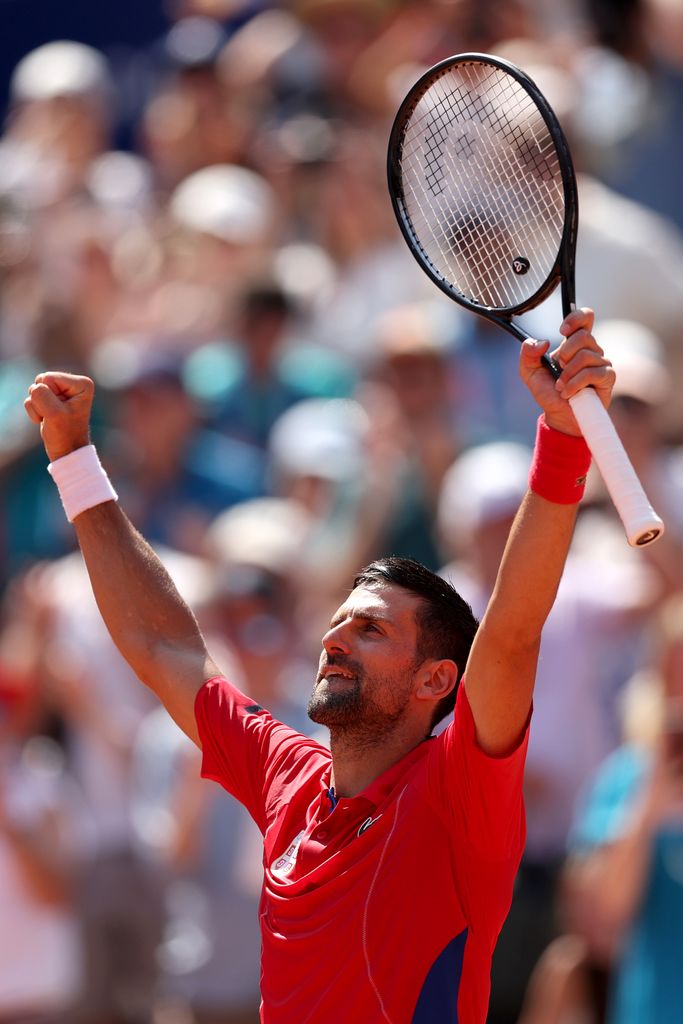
[501, 669]
[148, 620]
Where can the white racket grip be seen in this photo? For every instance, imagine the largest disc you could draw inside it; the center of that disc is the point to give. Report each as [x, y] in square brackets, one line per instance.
[641, 522]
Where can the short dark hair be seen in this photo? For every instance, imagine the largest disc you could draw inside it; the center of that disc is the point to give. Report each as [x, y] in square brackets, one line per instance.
[445, 621]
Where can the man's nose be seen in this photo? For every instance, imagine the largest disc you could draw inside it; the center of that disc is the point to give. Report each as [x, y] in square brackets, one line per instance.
[336, 640]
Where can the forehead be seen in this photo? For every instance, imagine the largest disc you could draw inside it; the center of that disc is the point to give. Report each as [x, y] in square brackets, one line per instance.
[392, 604]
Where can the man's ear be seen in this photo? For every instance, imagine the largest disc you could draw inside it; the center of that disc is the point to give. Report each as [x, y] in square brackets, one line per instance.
[436, 679]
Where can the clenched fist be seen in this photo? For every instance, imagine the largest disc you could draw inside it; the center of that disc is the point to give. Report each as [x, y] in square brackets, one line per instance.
[583, 364]
[61, 404]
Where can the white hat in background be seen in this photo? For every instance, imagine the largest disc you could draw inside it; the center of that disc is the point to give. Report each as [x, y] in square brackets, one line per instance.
[61, 68]
[321, 437]
[638, 358]
[226, 201]
[485, 483]
[120, 181]
[264, 533]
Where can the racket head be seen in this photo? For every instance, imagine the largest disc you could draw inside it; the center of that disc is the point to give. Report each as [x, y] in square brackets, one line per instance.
[483, 186]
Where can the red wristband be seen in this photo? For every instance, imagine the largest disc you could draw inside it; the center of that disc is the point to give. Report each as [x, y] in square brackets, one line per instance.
[559, 466]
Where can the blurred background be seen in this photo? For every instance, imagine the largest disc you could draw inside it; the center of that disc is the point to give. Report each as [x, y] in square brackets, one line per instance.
[193, 211]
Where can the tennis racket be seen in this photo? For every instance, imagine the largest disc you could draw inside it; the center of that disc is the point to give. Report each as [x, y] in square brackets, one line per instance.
[483, 187]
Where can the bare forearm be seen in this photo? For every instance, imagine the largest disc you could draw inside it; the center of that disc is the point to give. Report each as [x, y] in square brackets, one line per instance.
[138, 601]
[623, 866]
[531, 570]
[622, 877]
[501, 670]
[147, 618]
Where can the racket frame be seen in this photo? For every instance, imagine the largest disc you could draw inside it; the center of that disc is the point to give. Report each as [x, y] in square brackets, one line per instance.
[641, 522]
[562, 271]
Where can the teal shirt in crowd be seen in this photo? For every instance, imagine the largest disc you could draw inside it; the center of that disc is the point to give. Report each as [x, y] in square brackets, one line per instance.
[648, 979]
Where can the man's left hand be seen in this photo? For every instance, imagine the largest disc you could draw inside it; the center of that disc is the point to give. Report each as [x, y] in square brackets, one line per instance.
[583, 365]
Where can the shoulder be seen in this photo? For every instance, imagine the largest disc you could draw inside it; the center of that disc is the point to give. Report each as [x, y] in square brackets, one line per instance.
[226, 716]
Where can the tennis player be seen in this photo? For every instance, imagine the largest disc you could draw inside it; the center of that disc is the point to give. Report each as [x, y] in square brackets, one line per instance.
[390, 858]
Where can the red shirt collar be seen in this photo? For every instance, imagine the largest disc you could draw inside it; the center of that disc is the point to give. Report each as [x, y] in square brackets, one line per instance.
[381, 787]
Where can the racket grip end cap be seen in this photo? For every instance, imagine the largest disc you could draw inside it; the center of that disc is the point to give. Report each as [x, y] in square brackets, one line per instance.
[646, 532]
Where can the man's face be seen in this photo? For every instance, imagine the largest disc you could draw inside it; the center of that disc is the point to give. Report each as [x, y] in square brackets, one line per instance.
[368, 662]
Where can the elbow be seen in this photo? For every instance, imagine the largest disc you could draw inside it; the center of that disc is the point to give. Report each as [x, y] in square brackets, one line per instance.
[146, 659]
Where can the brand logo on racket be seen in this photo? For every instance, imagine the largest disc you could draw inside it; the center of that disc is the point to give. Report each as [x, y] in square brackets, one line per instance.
[520, 265]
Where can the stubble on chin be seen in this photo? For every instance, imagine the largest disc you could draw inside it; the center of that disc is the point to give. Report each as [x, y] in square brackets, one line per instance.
[353, 719]
[335, 710]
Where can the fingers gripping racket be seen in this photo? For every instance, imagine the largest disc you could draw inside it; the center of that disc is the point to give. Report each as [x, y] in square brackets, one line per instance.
[483, 186]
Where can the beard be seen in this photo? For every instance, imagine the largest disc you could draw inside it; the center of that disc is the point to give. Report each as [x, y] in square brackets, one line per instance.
[346, 706]
[336, 706]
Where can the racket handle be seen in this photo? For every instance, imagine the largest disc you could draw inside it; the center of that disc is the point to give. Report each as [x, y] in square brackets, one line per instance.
[641, 522]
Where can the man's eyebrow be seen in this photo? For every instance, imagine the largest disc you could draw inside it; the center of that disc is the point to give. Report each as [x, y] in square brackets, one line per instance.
[366, 616]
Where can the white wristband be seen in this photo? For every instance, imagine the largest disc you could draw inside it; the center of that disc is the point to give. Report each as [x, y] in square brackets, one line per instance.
[81, 481]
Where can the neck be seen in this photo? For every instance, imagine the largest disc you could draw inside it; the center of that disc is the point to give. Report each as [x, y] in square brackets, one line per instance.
[358, 759]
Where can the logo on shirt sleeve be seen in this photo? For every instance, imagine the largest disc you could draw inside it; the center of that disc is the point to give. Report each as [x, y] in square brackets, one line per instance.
[284, 864]
[253, 709]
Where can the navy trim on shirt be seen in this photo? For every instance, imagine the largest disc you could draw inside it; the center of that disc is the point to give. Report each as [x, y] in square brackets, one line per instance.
[438, 1000]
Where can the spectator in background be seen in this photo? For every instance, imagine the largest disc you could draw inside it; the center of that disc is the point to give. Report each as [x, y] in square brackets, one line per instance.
[258, 550]
[117, 891]
[248, 380]
[208, 859]
[414, 440]
[226, 223]
[190, 120]
[54, 272]
[339, 33]
[373, 270]
[59, 121]
[488, 408]
[637, 60]
[177, 473]
[626, 873]
[317, 462]
[40, 829]
[416, 34]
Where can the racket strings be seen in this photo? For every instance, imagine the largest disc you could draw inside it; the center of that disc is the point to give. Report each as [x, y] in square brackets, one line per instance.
[473, 231]
[487, 212]
[482, 185]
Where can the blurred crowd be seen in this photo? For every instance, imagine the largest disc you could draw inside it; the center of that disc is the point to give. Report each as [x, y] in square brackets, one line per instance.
[282, 395]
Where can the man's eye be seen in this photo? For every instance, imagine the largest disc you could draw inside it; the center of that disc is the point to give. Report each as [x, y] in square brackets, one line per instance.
[370, 627]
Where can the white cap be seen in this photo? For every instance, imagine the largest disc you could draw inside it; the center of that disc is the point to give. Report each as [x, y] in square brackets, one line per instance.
[485, 483]
[266, 533]
[227, 201]
[322, 437]
[60, 68]
[638, 358]
[120, 181]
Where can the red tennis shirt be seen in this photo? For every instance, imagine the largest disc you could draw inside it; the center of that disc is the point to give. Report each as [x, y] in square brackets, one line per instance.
[385, 908]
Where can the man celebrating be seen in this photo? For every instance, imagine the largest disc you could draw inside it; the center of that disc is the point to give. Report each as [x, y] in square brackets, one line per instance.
[389, 859]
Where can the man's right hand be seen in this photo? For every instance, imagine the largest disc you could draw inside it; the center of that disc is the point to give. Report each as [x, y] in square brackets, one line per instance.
[60, 403]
